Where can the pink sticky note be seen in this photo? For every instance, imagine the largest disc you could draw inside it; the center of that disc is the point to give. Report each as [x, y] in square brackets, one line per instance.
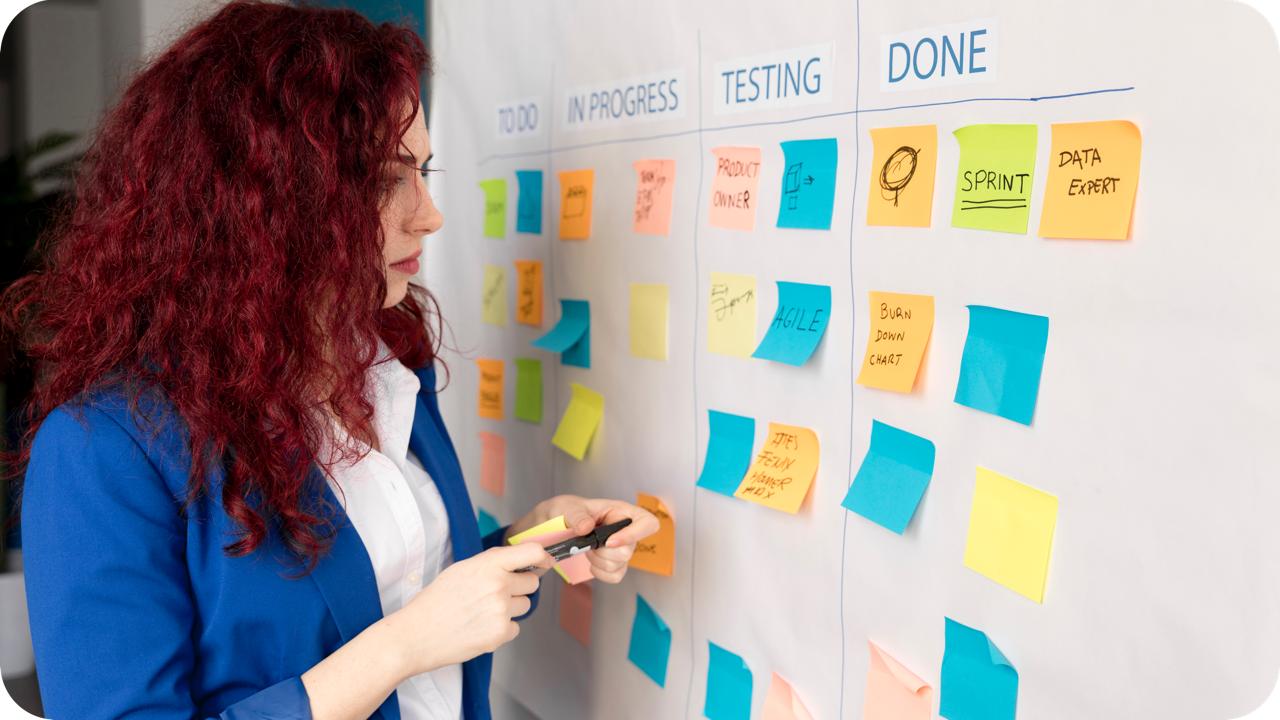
[575, 612]
[575, 569]
[493, 463]
[894, 692]
[733, 187]
[654, 182]
[782, 703]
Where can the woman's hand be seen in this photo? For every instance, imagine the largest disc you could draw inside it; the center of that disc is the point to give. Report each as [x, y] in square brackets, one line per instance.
[468, 609]
[582, 515]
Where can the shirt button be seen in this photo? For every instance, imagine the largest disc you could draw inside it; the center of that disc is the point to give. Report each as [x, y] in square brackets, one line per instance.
[415, 578]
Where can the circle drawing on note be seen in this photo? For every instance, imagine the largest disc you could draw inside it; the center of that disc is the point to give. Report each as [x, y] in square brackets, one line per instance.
[897, 172]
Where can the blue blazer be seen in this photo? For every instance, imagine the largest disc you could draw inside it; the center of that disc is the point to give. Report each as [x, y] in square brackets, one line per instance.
[137, 612]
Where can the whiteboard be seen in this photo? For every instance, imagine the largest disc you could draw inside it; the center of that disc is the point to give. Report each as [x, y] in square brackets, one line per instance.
[1157, 412]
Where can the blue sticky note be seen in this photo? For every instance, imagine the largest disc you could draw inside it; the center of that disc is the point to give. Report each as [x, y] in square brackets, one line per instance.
[571, 337]
[978, 682]
[798, 325]
[650, 642]
[529, 203]
[808, 184]
[1003, 356]
[728, 686]
[728, 452]
[892, 478]
[488, 523]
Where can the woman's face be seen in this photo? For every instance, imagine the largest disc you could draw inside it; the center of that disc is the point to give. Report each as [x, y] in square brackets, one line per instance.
[410, 213]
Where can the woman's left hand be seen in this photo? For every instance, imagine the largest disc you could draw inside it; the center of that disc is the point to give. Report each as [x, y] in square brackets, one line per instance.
[582, 515]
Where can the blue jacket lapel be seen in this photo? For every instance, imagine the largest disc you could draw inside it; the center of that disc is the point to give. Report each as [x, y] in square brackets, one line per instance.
[431, 444]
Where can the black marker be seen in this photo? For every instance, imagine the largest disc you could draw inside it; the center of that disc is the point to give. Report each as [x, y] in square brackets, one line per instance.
[595, 539]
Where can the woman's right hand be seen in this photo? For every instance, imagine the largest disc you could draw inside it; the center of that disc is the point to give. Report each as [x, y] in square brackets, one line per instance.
[468, 609]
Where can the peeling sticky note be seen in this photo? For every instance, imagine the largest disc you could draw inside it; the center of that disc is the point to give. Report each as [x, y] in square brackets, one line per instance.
[657, 552]
[978, 682]
[571, 337]
[650, 642]
[529, 203]
[1092, 180]
[728, 452]
[1002, 360]
[993, 184]
[494, 298]
[576, 189]
[575, 612]
[574, 569]
[488, 523]
[783, 470]
[649, 310]
[495, 207]
[655, 183]
[896, 340]
[579, 422]
[528, 292]
[733, 188]
[782, 702]
[808, 184]
[728, 686]
[493, 463]
[529, 390]
[798, 325]
[1011, 533]
[893, 691]
[489, 403]
[892, 478]
[902, 176]
[731, 314]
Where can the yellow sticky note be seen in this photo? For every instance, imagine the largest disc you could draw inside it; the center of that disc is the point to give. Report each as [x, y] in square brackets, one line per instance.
[655, 183]
[782, 702]
[734, 187]
[1093, 180]
[783, 470]
[1011, 533]
[731, 315]
[490, 399]
[649, 304]
[494, 297]
[896, 341]
[576, 188]
[529, 292]
[574, 569]
[579, 422]
[893, 691]
[902, 173]
[657, 552]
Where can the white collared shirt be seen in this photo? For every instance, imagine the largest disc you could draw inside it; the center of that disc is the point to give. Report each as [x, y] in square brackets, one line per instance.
[396, 509]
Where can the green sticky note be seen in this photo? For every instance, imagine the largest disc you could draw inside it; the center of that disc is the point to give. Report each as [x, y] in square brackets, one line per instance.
[493, 299]
[529, 390]
[495, 207]
[993, 185]
[579, 422]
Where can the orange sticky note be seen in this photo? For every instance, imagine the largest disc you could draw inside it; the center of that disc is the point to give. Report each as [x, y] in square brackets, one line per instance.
[902, 174]
[493, 463]
[782, 702]
[733, 187]
[576, 188]
[896, 341]
[575, 612]
[654, 182]
[894, 692]
[656, 553]
[490, 399]
[529, 292]
[783, 470]
[574, 569]
[1093, 180]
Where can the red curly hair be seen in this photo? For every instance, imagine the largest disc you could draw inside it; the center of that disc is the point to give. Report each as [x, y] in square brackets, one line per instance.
[223, 244]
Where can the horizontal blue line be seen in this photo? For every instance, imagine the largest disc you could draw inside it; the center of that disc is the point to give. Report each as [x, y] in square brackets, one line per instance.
[843, 113]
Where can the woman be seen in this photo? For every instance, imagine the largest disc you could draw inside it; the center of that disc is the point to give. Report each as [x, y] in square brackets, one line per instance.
[240, 498]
